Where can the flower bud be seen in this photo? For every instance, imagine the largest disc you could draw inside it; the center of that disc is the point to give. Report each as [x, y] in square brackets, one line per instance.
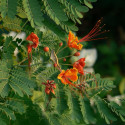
[64, 59]
[55, 65]
[46, 49]
[77, 54]
[60, 44]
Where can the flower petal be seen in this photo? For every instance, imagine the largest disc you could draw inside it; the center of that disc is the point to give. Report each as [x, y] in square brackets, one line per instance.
[73, 41]
[79, 65]
[71, 74]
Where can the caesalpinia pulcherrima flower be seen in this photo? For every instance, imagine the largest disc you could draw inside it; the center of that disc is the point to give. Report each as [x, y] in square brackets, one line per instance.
[50, 86]
[79, 65]
[34, 38]
[68, 76]
[73, 41]
[71, 75]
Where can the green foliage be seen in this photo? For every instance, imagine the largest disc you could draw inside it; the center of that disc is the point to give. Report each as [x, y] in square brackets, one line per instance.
[3, 6]
[8, 8]
[69, 105]
[12, 24]
[118, 110]
[77, 109]
[12, 8]
[20, 84]
[57, 15]
[33, 12]
[9, 108]
[55, 10]
[97, 85]
[12, 77]
[86, 110]
[104, 111]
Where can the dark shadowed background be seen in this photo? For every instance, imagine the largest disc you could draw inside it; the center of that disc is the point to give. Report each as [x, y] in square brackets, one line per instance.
[111, 52]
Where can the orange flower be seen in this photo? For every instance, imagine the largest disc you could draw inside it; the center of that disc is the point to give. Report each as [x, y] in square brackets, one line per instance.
[32, 37]
[69, 75]
[73, 41]
[79, 65]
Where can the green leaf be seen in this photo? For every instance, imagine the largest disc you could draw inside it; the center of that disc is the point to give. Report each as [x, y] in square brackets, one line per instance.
[21, 13]
[86, 110]
[12, 24]
[74, 107]
[55, 10]
[2, 122]
[122, 86]
[87, 3]
[104, 111]
[12, 8]
[33, 12]
[61, 101]
[21, 80]
[119, 110]
[53, 27]
[3, 7]
[3, 79]
[37, 97]
[16, 106]
[8, 112]
[8, 8]
[78, 6]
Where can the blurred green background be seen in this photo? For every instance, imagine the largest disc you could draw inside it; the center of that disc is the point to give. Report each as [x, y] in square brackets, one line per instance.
[111, 52]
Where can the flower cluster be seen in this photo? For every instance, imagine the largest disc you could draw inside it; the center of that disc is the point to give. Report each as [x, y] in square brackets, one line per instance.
[50, 86]
[69, 76]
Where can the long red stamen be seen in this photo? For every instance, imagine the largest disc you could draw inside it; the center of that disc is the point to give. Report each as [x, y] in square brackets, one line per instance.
[94, 32]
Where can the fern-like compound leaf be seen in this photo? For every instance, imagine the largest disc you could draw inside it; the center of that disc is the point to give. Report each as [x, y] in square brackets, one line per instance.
[104, 111]
[33, 12]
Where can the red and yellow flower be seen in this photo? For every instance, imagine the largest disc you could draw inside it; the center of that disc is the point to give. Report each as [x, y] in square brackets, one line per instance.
[68, 76]
[79, 65]
[73, 41]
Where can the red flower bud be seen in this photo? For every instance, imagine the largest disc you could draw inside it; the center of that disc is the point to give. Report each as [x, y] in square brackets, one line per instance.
[60, 44]
[77, 54]
[55, 65]
[64, 59]
[46, 49]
